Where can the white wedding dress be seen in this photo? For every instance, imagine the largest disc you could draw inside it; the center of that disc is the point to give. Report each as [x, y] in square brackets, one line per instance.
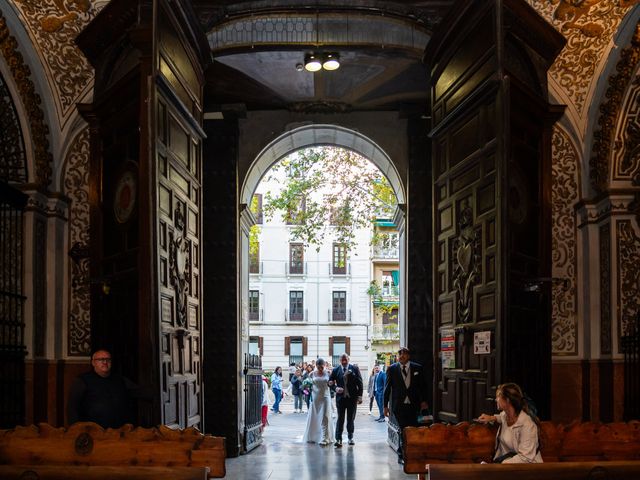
[319, 424]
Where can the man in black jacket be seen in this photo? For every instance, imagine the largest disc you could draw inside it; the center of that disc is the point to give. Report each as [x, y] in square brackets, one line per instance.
[100, 395]
[406, 387]
[347, 381]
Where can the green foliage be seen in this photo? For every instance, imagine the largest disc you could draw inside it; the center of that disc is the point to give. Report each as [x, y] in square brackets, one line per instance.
[354, 193]
[375, 292]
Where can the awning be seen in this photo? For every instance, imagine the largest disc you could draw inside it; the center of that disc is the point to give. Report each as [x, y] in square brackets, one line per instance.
[395, 275]
[385, 303]
[385, 223]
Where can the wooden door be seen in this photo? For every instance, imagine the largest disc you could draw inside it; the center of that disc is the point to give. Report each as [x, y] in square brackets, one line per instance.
[491, 238]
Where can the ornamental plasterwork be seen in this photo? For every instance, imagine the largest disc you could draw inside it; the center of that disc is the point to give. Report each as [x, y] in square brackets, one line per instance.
[628, 243]
[588, 26]
[31, 104]
[564, 195]
[610, 112]
[76, 188]
[53, 26]
[627, 143]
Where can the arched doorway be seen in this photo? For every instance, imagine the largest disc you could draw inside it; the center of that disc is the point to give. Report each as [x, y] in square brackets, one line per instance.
[285, 144]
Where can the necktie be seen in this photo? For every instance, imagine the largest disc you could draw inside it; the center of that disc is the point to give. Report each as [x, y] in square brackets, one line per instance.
[404, 371]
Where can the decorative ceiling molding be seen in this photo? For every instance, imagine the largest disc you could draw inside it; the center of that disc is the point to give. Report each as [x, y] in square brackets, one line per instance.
[52, 26]
[31, 102]
[610, 111]
[588, 26]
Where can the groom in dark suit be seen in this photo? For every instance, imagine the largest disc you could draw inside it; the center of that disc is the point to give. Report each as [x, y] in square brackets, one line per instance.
[406, 387]
[347, 382]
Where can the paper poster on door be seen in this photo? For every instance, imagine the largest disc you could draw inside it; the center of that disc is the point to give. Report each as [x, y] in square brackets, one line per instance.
[482, 343]
[448, 348]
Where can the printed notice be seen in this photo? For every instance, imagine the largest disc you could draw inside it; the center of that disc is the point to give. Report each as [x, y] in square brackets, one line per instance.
[448, 348]
[482, 343]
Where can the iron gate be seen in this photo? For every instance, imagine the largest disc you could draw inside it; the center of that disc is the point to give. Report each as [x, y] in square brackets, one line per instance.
[252, 402]
[12, 349]
[631, 350]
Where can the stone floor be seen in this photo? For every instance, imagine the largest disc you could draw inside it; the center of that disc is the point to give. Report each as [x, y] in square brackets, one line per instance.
[284, 456]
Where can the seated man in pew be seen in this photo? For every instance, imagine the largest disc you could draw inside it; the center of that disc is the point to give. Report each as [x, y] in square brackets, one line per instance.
[517, 439]
[101, 396]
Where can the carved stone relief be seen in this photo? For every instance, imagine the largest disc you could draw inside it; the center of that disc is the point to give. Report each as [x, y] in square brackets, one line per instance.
[14, 163]
[179, 265]
[627, 143]
[466, 263]
[564, 195]
[53, 26]
[610, 112]
[76, 188]
[588, 26]
[628, 268]
[31, 103]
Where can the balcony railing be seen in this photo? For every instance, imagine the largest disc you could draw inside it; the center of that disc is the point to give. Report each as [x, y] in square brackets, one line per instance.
[256, 316]
[389, 331]
[256, 268]
[339, 271]
[385, 252]
[296, 316]
[335, 316]
[388, 291]
[298, 268]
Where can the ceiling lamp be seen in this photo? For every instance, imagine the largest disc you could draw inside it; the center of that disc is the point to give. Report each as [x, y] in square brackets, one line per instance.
[312, 63]
[331, 61]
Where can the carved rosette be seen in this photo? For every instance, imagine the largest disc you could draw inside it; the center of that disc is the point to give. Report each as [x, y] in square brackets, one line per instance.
[31, 103]
[588, 26]
[628, 244]
[76, 188]
[466, 263]
[564, 195]
[610, 112]
[179, 266]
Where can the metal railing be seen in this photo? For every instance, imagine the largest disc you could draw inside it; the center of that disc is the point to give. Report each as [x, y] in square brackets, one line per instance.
[296, 316]
[389, 331]
[300, 269]
[385, 252]
[631, 348]
[252, 401]
[12, 348]
[256, 316]
[256, 268]
[336, 316]
[338, 271]
[296, 359]
[390, 291]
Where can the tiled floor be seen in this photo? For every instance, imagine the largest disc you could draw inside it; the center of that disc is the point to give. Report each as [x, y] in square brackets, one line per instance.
[284, 456]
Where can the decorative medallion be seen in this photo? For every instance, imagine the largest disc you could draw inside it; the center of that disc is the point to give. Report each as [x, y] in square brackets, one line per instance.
[565, 193]
[125, 194]
[84, 444]
[466, 263]
[180, 265]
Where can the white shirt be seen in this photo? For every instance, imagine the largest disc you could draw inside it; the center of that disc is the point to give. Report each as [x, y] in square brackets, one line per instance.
[406, 378]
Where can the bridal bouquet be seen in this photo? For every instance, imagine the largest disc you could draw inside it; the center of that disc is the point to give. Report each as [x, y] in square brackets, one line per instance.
[307, 383]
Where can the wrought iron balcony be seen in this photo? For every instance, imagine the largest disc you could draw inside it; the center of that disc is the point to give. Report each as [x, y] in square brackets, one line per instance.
[296, 268]
[256, 316]
[389, 331]
[336, 316]
[339, 271]
[297, 316]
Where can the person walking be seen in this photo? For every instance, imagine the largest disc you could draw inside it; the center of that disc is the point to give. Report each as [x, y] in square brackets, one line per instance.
[379, 393]
[347, 382]
[276, 387]
[371, 387]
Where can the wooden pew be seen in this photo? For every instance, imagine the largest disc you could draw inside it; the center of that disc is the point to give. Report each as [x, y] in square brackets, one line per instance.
[466, 443]
[49, 472]
[618, 470]
[88, 444]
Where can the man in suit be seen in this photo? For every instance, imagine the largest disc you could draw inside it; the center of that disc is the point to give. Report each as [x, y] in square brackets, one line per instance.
[347, 381]
[406, 387]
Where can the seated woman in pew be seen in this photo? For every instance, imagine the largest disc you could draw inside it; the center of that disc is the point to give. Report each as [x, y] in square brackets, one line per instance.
[517, 440]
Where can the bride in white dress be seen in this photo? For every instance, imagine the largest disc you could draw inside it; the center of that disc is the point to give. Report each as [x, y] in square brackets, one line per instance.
[319, 425]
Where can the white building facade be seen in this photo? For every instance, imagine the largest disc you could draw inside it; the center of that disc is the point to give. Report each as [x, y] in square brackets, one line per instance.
[305, 302]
